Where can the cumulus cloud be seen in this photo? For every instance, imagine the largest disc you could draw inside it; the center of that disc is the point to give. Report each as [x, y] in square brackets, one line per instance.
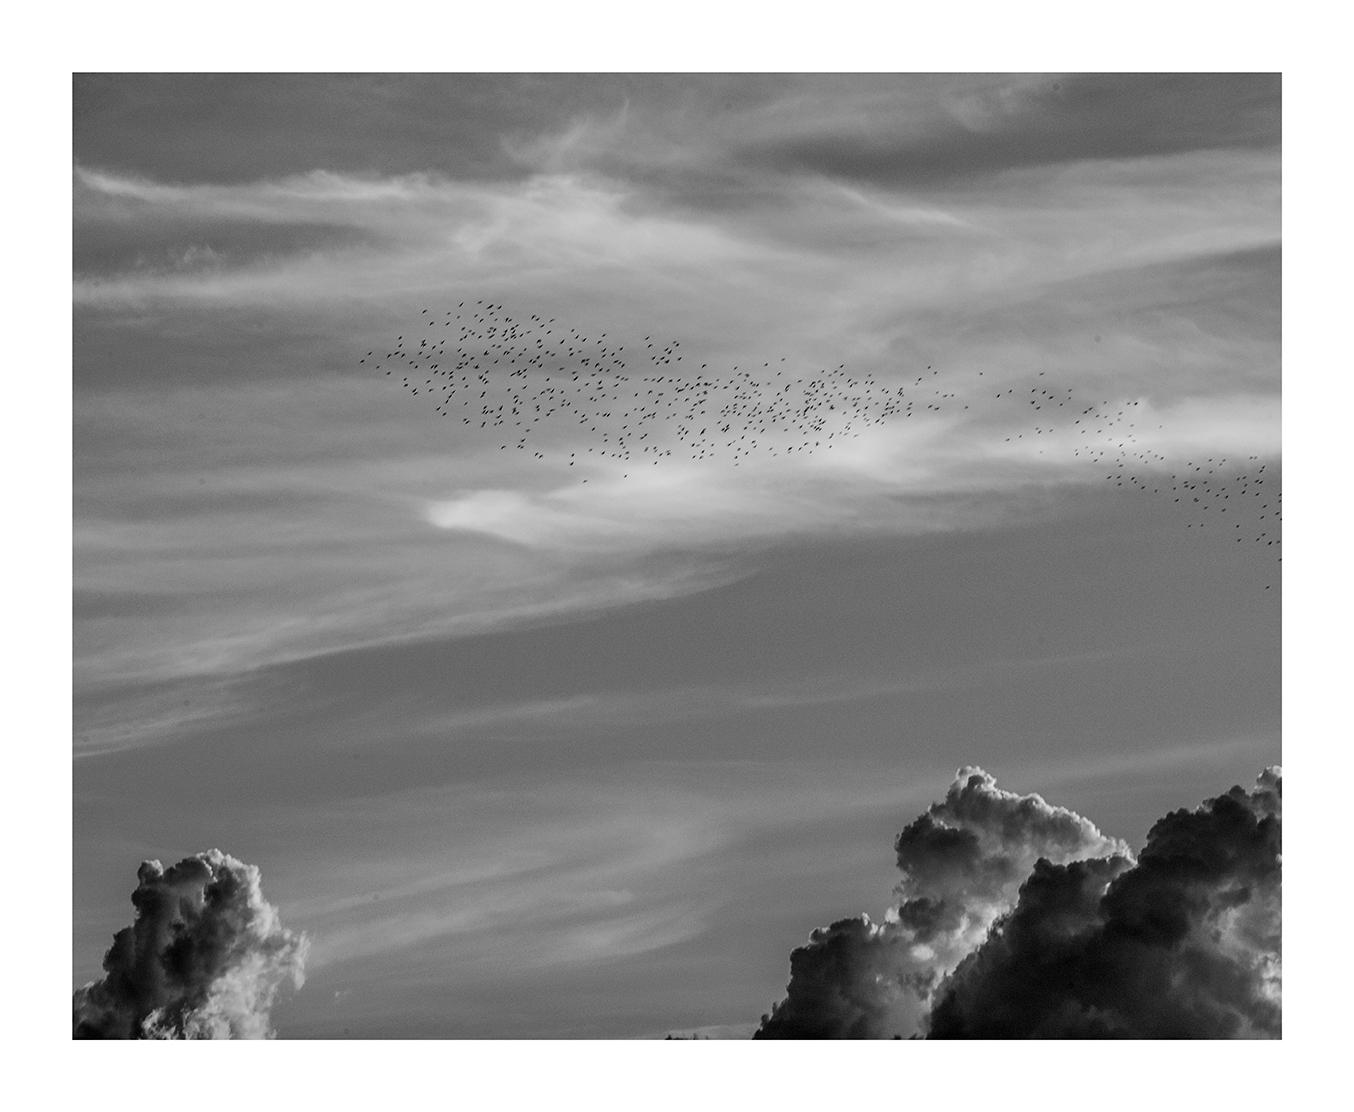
[962, 865]
[1184, 944]
[205, 958]
[1022, 920]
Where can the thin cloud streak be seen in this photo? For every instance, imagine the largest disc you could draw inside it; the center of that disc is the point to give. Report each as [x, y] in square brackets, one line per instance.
[487, 724]
[347, 476]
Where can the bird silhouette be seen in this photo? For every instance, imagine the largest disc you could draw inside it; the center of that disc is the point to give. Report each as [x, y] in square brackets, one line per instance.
[543, 382]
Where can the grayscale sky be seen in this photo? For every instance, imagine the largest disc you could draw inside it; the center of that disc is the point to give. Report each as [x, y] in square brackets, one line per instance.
[529, 756]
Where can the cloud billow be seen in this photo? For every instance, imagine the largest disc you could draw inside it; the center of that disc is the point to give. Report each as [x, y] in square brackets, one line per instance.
[1022, 920]
[205, 958]
[962, 862]
[1184, 944]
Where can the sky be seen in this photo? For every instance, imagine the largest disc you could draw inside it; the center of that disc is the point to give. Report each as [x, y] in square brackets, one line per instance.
[532, 757]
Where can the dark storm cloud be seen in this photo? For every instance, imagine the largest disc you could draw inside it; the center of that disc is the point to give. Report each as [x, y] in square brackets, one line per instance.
[705, 141]
[238, 127]
[962, 864]
[102, 248]
[1186, 944]
[204, 959]
[1021, 920]
[1014, 123]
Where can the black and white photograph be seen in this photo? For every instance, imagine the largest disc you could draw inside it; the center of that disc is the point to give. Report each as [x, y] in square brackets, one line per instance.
[676, 556]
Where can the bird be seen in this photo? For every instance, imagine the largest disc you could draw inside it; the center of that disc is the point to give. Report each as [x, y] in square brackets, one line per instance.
[549, 382]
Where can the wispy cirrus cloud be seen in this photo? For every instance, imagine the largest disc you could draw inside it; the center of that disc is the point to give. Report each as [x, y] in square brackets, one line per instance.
[289, 573]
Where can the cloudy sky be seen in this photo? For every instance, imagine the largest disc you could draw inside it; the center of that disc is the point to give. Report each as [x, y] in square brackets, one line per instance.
[529, 756]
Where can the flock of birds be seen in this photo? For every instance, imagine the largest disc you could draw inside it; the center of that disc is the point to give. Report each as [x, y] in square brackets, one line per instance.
[516, 381]
[495, 374]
